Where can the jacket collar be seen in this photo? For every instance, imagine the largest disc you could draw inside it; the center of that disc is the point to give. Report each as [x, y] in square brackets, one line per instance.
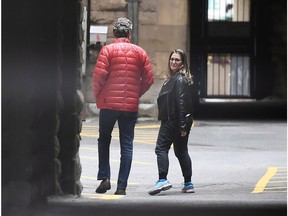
[177, 73]
[168, 84]
[121, 40]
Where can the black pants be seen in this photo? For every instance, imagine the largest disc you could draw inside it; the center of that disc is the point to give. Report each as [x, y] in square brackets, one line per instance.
[169, 133]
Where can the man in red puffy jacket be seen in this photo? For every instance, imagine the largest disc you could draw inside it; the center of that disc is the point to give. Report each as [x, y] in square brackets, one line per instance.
[123, 73]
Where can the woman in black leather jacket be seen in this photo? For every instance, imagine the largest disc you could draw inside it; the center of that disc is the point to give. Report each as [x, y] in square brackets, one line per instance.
[175, 112]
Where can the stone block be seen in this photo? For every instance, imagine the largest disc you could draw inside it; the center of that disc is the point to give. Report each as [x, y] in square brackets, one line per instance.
[172, 12]
[150, 97]
[148, 37]
[148, 6]
[147, 18]
[155, 38]
[162, 63]
[109, 5]
[105, 17]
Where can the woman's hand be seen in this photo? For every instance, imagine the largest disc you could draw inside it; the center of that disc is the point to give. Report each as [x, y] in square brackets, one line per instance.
[183, 133]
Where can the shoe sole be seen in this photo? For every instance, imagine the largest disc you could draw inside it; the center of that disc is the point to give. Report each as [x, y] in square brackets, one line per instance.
[164, 188]
[102, 190]
[119, 193]
[188, 191]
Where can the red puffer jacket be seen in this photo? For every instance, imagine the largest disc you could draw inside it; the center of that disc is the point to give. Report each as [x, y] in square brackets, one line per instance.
[122, 74]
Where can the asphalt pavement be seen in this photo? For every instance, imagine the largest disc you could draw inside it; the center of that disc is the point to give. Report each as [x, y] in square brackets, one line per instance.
[239, 168]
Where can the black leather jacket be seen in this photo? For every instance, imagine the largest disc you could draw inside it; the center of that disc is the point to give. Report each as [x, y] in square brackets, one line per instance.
[175, 102]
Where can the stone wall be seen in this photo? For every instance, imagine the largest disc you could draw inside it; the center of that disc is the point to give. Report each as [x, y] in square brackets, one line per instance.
[72, 96]
[31, 105]
[41, 103]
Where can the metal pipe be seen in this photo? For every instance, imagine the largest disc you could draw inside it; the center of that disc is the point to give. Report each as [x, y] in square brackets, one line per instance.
[88, 30]
[133, 16]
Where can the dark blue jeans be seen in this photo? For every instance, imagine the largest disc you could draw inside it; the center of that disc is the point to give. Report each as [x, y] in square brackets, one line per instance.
[126, 123]
[169, 133]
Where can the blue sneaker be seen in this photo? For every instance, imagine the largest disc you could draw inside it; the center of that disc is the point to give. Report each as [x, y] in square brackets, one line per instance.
[161, 185]
[188, 188]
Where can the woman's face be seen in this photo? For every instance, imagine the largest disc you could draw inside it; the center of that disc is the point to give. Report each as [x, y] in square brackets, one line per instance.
[175, 62]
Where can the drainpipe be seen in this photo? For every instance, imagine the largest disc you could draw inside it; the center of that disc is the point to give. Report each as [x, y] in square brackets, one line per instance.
[133, 17]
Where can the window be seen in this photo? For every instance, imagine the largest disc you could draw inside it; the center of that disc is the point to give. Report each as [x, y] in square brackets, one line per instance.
[228, 75]
[229, 10]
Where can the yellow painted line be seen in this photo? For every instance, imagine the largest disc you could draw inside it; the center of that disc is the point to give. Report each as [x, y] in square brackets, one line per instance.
[261, 184]
[145, 141]
[282, 168]
[273, 188]
[88, 157]
[89, 134]
[143, 163]
[87, 148]
[144, 133]
[112, 181]
[89, 178]
[146, 136]
[147, 126]
[275, 182]
[116, 138]
[102, 196]
[114, 160]
[89, 126]
[139, 141]
[136, 127]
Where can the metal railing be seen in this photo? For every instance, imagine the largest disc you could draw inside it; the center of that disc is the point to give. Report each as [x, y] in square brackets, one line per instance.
[228, 75]
[229, 10]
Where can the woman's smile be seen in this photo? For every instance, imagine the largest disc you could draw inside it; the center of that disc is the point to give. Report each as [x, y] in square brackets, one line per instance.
[175, 62]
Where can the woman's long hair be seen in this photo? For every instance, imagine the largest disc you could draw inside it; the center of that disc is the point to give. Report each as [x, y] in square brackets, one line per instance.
[185, 69]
